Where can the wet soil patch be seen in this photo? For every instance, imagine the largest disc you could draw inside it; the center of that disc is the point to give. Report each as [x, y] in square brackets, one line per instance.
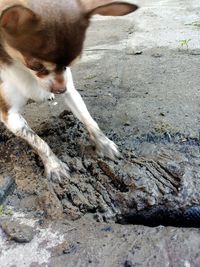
[157, 180]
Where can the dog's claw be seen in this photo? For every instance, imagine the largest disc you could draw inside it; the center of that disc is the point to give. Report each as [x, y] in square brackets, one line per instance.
[105, 147]
[51, 97]
[56, 171]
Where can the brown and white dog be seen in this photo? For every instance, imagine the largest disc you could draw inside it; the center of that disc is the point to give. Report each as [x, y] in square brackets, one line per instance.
[39, 39]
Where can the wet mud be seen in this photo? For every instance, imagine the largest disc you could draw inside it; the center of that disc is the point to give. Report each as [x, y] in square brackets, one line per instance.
[156, 180]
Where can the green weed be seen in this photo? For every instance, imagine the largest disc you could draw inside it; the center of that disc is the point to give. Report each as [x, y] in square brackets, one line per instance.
[196, 24]
[185, 42]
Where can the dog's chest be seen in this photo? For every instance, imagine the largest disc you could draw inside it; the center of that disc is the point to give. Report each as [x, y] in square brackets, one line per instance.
[19, 82]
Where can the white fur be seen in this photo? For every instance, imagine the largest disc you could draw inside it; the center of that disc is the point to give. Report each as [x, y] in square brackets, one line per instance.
[15, 122]
[73, 99]
[20, 82]
[75, 102]
[19, 85]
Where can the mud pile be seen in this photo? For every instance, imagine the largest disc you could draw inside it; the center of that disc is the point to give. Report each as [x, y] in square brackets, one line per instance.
[155, 182]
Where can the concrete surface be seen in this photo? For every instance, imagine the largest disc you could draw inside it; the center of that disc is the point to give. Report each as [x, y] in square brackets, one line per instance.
[87, 244]
[156, 90]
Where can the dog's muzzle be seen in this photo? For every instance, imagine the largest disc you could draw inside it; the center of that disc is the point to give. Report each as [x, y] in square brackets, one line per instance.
[58, 88]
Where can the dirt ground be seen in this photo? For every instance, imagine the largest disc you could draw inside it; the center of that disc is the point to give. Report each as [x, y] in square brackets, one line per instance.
[139, 76]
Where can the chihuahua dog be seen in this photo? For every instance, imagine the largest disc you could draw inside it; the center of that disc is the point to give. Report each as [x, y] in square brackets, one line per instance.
[39, 40]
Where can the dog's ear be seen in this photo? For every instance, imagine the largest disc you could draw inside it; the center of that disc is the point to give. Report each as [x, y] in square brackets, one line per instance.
[17, 20]
[107, 7]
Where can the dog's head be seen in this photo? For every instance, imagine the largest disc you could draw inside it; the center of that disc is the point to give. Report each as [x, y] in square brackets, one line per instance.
[47, 36]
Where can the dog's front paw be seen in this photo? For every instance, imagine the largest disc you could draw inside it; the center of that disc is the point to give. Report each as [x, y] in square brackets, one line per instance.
[56, 170]
[104, 146]
[44, 96]
[51, 97]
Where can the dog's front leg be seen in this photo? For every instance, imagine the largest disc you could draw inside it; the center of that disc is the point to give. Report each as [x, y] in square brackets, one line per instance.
[54, 168]
[105, 147]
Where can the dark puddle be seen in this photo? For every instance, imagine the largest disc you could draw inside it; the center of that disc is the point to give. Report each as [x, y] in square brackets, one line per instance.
[160, 216]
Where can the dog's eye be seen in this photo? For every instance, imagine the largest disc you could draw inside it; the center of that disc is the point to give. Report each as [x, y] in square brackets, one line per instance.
[39, 68]
[43, 71]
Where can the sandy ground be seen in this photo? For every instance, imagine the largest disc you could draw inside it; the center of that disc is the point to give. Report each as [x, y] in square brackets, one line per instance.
[136, 78]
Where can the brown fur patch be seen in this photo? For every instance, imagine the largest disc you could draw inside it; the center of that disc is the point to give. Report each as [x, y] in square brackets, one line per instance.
[13, 53]
[59, 35]
[76, 60]
[4, 106]
[4, 57]
[60, 78]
